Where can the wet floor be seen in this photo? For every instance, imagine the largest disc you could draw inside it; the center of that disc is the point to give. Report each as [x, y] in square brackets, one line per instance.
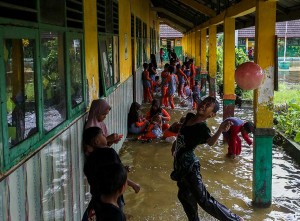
[228, 180]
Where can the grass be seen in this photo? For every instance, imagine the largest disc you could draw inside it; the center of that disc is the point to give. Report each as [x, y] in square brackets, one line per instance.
[287, 93]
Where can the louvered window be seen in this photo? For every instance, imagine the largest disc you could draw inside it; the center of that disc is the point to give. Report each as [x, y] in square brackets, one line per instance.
[108, 16]
[21, 10]
[74, 14]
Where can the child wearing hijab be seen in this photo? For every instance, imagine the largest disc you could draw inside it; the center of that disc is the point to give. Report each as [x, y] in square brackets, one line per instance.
[97, 114]
[136, 123]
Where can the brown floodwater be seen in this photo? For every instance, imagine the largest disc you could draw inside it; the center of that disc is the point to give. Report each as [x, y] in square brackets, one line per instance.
[228, 180]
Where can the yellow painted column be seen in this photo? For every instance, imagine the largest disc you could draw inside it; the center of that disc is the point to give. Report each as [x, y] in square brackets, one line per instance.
[193, 44]
[91, 48]
[203, 62]
[190, 45]
[197, 50]
[203, 51]
[265, 22]
[212, 59]
[229, 67]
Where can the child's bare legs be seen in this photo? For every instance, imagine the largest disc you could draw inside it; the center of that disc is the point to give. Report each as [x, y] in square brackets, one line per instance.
[171, 100]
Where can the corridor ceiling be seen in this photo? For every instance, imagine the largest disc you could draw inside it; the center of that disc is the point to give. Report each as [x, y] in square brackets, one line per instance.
[185, 15]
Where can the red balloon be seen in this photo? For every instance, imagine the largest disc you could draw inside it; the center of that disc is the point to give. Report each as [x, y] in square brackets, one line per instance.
[248, 76]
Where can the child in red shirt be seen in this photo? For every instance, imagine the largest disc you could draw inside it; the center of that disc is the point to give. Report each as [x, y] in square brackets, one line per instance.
[232, 137]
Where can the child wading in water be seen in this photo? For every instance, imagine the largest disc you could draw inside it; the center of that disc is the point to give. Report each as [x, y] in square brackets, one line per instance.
[232, 137]
[191, 189]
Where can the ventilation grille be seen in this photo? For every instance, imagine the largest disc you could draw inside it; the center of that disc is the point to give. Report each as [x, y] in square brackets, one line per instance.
[21, 10]
[74, 13]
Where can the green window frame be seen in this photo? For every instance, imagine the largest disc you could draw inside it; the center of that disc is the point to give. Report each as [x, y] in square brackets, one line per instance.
[139, 42]
[108, 45]
[30, 23]
[10, 155]
[109, 63]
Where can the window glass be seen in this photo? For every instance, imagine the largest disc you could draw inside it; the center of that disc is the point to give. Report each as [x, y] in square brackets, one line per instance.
[116, 60]
[20, 89]
[53, 77]
[75, 55]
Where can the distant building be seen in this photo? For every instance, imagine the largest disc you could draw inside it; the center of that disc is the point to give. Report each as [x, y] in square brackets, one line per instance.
[289, 30]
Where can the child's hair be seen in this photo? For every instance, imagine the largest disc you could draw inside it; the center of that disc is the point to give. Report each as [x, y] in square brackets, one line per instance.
[171, 69]
[249, 127]
[166, 65]
[196, 82]
[178, 66]
[214, 101]
[145, 65]
[110, 179]
[98, 158]
[156, 78]
[89, 136]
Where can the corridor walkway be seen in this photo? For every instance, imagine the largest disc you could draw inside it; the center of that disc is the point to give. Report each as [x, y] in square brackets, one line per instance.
[230, 181]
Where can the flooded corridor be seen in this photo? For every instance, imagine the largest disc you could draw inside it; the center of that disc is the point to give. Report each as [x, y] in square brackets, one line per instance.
[228, 180]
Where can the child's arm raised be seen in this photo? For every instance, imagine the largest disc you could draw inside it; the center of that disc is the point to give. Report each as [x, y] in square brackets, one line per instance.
[135, 186]
[224, 126]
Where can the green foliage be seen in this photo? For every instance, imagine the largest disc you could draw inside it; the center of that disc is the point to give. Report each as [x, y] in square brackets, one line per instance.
[287, 93]
[289, 121]
[288, 118]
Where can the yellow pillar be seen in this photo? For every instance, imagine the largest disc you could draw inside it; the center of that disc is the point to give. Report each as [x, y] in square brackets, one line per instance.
[203, 62]
[247, 44]
[229, 67]
[91, 48]
[203, 51]
[265, 22]
[193, 44]
[212, 59]
[197, 50]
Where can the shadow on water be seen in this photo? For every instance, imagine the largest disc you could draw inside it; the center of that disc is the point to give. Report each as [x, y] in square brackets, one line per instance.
[229, 181]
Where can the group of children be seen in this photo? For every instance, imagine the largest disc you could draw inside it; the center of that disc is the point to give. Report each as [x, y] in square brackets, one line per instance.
[107, 176]
[174, 78]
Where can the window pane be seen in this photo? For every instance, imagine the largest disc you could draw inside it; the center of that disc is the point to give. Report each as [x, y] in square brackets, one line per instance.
[106, 56]
[20, 89]
[116, 60]
[53, 79]
[75, 55]
[110, 62]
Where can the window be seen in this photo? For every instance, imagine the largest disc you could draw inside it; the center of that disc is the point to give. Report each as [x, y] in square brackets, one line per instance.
[108, 28]
[20, 89]
[42, 80]
[53, 78]
[109, 61]
[76, 73]
[139, 42]
[145, 43]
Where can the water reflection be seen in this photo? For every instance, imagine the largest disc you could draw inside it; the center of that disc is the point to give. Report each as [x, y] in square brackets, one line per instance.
[230, 181]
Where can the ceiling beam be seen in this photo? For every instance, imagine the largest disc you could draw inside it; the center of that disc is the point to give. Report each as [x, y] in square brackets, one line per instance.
[240, 9]
[199, 7]
[173, 25]
[176, 17]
